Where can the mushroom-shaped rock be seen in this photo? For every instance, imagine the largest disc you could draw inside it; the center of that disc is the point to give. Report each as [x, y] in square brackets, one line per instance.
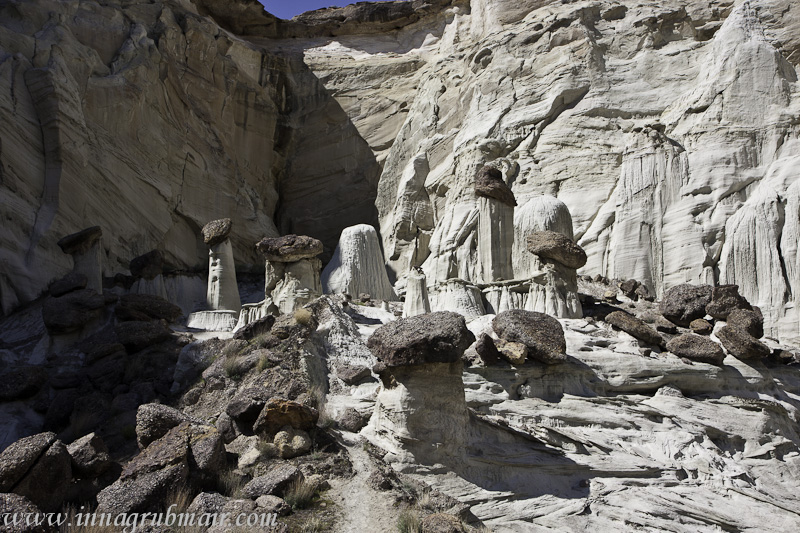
[216, 231]
[724, 299]
[84, 247]
[697, 348]
[686, 302]
[634, 326]
[358, 265]
[289, 248]
[541, 333]
[558, 247]
[489, 184]
[741, 344]
[542, 213]
[440, 337]
[80, 242]
[421, 408]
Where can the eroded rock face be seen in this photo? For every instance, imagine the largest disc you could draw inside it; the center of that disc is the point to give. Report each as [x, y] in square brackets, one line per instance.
[358, 265]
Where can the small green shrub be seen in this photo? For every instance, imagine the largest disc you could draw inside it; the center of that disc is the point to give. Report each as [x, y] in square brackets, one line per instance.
[409, 522]
[303, 317]
[300, 494]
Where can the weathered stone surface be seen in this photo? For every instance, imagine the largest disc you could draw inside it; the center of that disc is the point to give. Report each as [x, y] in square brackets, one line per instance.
[14, 504]
[350, 420]
[252, 330]
[634, 326]
[513, 352]
[137, 335]
[489, 184]
[74, 281]
[357, 266]
[628, 288]
[72, 311]
[19, 457]
[542, 334]
[154, 420]
[701, 326]
[439, 337]
[751, 321]
[272, 504]
[683, 303]
[148, 266]
[289, 248]
[248, 402]
[81, 241]
[89, 456]
[146, 307]
[273, 482]
[290, 442]
[741, 344]
[558, 247]
[697, 348]
[278, 413]
[216, 231]
[724, 299]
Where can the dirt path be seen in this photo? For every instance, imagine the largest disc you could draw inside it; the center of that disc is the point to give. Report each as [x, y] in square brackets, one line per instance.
[362, 508]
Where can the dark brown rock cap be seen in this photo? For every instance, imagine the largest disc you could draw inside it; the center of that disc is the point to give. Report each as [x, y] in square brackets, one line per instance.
[79, 243]
[440, 337]
[557, 247]
[724, 299]
[216, 231]
[490, 184]
[541, 333]
[289, 248]
[685, 302]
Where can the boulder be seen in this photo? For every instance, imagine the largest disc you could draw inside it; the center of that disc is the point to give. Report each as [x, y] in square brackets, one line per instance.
[353, 375]
[89, 456]
[216, 231]
[278, 413]
[72, 311]
[751, 321]
[542, 334]
[74, 281]
[628, 288]
[513, 352]
[247, 404]
[21, 382]
[154, 420]
[489, 184]
[741, 344]
[274, 482]
[137, 335]
[724, 299]
[290, 442]
[557, 247]
[442, 523]
[701, 326]
[148, 266]
[289, 248]
[697, 348]
[683, 303]
[350, 420]
[81, 241]
[273, 505]
[14, 504]
[440, 337]
[38, 468]
[142, 492]
[487, 350]
[634, 326]
[147, 307]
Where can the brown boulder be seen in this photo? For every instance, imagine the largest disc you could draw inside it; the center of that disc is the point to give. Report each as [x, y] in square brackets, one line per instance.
[697, 348]
[440, 337]
[557, 247]
[278, 413]
[724, 299]
[216, 231]
[541, 333]
[683, 303]
[72, 311]
[81, 241]
[633, 326]
[741, 344]
[289, 248]
[701, 326]
[751, 321]
[490, 184]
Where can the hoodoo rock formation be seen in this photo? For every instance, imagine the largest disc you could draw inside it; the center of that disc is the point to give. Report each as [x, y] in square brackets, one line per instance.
[527, 264]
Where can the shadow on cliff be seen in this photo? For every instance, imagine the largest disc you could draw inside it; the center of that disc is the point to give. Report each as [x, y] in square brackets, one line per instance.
[330, 178]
